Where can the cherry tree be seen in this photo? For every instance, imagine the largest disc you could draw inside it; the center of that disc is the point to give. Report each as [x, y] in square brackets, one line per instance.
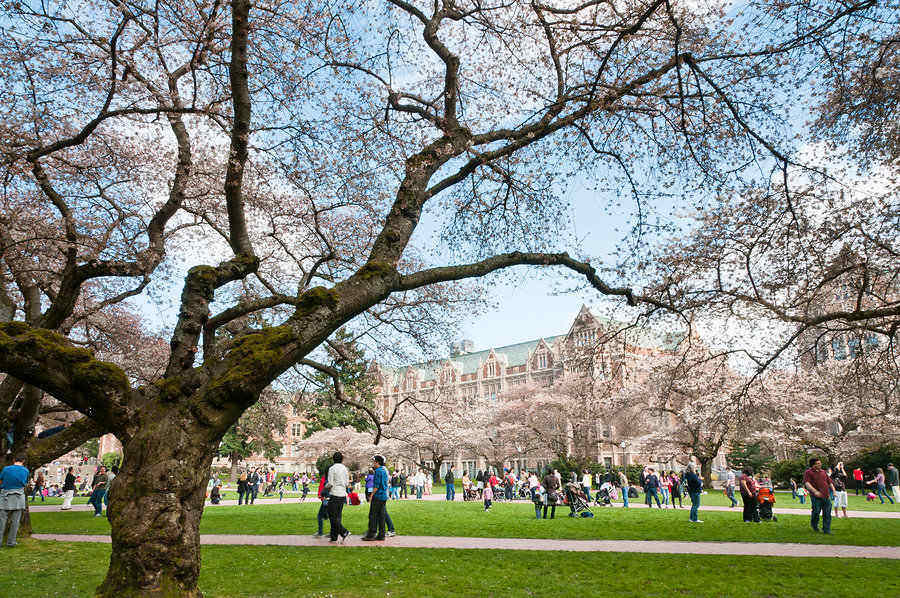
[278, 161]
[836, 407]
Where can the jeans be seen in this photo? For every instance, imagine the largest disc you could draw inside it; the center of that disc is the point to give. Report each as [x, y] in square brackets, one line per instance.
[67, 499]
[451, 491]
[395, 492]
[377, 517]
[695, 505]
[803, 499]
[14, 518]
[665, 495]
[882, 490]
[335, 510]
[508, 492]
[537, 510]
[96, 500]
[253, 491]
[37, 491]
[322, 515]
[419, 490]
[751, 509]
[587, 492]
[651, 494]
[794, 493]
[730, 491]
[387, 520]
[625, 496]
[552, 511]
[823, 506]
[859, 486]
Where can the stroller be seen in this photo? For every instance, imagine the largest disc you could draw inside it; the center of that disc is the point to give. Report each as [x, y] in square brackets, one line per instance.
[602, 498]
[469, 494]
[766, 499]
[578, 502]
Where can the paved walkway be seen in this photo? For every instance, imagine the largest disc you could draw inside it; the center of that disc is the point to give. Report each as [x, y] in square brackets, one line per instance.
[37, 507]
[642, 546]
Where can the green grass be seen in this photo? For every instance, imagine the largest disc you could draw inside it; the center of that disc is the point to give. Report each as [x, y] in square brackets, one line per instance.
[72, 570]
[512, 521]
[784, 501]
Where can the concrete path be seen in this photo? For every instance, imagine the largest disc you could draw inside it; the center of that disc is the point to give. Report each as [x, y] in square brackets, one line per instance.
[38, 508]
[642, 546]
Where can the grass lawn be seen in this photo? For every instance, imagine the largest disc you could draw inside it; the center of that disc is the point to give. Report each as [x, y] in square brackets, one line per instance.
[512, 521]
[784, 501]
[72, 570]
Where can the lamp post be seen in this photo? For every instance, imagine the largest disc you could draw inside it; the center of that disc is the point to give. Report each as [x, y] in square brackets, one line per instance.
[624, 446]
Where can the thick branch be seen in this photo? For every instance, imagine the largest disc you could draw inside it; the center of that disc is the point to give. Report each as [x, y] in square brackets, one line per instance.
[45, 450]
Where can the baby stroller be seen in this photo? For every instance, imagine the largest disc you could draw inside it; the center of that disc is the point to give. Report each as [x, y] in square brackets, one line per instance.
[766, 499]
[469, 493]
[602, 498]
[578, 502]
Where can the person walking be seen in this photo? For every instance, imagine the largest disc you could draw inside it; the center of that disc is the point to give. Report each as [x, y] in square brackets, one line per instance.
[12, 498]
[68, 489]
[839, 478]
[623, 483]
[242, 489]
[98, 490]
[893, 480]
[820, 487]
[378, 501]
[793, 489]
[880, 490]
[652, 488]
[419, 480]
[253, 481]
[450, 481]
[675, 489]
[403, 485]
[336, 484]
[749, 490]
[729, 489]
[38, 488]
[694, 488]
[370, 485]
[322, 515]
[858, 478]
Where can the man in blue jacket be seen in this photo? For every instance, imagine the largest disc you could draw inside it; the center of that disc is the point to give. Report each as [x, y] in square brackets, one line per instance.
[377, 508]
[12, 498]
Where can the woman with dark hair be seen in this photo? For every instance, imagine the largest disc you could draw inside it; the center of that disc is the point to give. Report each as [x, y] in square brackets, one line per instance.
[336, 483]
[880, 488]
[551, 493]
[749, 490]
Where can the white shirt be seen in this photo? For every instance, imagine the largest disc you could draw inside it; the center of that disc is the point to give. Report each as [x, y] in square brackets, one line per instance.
[337, 480]
[586, 480]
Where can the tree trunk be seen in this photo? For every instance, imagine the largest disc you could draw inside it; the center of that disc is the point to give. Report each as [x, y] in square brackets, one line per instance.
[706, 471]
[235, 461]
[155, 506]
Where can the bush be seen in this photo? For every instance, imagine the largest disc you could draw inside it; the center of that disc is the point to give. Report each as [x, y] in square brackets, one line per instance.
[874, 457]
[783, 471]
[110, 459]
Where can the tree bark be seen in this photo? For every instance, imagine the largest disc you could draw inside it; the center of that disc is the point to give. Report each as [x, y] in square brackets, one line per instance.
[706, 471]
[235, 461]
[155, 505]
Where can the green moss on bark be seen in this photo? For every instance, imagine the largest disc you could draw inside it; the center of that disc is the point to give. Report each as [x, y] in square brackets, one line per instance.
[376, 270]
[315, 298]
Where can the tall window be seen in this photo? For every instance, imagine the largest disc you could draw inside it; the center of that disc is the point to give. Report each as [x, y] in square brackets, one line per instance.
[491, 369]
[296, 429]
[542, 361]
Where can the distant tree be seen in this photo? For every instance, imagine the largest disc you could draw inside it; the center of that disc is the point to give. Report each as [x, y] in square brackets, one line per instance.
[254, 433]
[752, 454]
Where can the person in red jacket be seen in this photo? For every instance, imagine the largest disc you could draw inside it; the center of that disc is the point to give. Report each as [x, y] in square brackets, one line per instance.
[323, 508]
[858, 478]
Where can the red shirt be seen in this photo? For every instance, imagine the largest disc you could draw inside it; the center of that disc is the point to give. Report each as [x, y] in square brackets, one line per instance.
[818, 480]
[751, 486]
[857, 474]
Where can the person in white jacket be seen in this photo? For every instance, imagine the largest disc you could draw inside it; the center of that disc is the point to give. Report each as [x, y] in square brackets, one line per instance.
[336, 484]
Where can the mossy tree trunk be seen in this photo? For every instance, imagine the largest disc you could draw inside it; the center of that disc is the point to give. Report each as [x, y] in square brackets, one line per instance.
[155, 506]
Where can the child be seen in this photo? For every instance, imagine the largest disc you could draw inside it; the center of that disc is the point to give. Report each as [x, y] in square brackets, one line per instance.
[214, 495]
[801, 493]
[488, 495]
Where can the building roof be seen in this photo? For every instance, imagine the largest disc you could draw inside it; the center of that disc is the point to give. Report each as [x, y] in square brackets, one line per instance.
[519, 353]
